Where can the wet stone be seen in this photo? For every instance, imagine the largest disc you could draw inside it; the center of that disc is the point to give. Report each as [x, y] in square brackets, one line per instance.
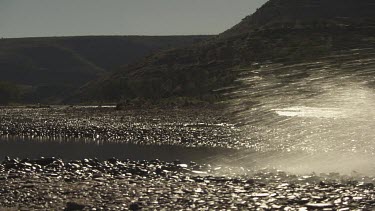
[71, 206]
[136, 206]
[320, 205]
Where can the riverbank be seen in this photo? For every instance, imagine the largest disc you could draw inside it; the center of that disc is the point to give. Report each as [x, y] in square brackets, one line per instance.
[182, 127]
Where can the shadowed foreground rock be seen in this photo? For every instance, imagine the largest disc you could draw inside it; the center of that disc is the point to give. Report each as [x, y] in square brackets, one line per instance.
[90, 184]
[70, 206]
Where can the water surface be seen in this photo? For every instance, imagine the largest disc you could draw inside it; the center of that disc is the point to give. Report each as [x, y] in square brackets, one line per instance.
[74, 149]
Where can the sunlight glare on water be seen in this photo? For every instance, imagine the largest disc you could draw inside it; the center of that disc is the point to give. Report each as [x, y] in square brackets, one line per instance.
[310, 112]
[311, 116]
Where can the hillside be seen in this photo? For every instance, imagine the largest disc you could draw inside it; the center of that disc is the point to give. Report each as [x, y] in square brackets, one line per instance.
[284, 31]
[296, 13]
[45, 69]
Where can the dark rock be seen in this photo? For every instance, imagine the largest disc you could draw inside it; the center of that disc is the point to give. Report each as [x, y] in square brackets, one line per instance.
[44, 161]
[250, 181]
[135, 206]
[112, 160]
[71, 206]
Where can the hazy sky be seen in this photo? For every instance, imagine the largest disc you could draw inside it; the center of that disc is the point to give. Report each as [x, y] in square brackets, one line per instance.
[30, 18]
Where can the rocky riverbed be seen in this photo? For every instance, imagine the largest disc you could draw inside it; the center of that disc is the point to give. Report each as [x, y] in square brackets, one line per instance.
[183, 127]
[89, 184]
[223, 179]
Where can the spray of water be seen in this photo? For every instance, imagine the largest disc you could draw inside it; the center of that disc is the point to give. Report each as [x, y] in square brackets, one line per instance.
[309, 117]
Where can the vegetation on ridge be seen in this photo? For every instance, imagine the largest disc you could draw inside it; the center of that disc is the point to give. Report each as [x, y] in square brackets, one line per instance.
[197, 70]
[47, 69]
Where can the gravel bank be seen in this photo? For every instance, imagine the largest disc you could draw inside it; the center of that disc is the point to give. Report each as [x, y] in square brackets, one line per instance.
[88, 184]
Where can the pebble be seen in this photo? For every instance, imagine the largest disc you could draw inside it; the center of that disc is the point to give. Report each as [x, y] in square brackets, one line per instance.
[145, 127]
[91, 184]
